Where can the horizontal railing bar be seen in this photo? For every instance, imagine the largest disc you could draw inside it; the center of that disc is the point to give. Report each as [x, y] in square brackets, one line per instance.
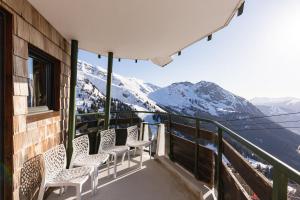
[282, 167]
[89, 114]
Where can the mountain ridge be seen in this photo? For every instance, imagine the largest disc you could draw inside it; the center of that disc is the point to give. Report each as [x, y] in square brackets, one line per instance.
[202, 99]
[283, 110]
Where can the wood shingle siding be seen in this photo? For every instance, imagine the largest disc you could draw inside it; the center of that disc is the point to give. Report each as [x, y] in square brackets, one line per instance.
[32, 135]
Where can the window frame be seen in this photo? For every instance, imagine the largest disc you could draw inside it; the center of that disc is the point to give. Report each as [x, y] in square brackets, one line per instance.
[53, 71]
[2, 47]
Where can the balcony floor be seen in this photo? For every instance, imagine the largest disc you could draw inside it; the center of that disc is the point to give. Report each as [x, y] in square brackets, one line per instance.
[153, 181]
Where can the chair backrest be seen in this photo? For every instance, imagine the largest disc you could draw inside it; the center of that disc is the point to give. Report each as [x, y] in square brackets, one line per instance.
[31, 178]
[108, 139]
[81, 147]
[55, 161]
[132, 134]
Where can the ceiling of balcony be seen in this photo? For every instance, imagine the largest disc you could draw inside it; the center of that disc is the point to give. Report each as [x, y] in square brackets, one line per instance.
[137, 29]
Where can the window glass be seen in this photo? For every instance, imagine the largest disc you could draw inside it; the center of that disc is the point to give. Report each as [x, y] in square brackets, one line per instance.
[39, 83]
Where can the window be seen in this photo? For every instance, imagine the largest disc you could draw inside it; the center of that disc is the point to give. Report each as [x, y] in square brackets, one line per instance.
[41, 88]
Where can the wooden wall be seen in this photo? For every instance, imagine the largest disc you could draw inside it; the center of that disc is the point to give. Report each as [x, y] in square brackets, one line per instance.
[33, 135]
[184, 154]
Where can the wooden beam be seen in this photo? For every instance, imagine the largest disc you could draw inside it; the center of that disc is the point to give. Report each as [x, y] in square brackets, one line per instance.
[72, 107]
[108, 90]
[256, 181]
[219, 164]
[232, 189]
[7, 184]
[189, 130]
[197, 124]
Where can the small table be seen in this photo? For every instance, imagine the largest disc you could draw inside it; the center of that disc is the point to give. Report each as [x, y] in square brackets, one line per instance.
[140, 145]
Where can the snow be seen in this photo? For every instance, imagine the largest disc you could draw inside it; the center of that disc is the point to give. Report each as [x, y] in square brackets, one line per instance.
[184, 97]
[131, 91]
[255, 164]
[204, 96]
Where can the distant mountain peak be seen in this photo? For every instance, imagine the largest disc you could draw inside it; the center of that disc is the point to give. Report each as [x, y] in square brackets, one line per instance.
[202, 97]
[274, 101]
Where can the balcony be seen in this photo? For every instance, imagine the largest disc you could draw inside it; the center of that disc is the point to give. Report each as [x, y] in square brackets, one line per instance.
[153, 181]
[197, 160]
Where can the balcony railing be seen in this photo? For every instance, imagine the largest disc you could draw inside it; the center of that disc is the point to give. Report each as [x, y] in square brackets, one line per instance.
[191, 143]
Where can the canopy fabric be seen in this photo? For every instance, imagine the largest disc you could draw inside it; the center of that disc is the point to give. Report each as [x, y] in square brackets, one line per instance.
[162, 61]
[137, 29]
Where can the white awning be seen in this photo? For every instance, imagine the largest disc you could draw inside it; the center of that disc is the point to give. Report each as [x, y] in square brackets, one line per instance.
[137, 29]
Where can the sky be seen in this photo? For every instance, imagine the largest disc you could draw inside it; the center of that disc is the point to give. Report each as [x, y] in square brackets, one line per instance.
[257, 55]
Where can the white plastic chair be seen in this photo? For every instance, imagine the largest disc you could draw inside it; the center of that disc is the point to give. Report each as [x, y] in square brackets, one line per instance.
[56, 175]
[133, 141]
[108, 145]
[81, 157]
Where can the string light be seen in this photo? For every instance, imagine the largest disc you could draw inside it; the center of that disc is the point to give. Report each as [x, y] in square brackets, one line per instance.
[209, 37]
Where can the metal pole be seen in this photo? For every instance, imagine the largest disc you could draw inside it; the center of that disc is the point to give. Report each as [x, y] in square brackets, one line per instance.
[108, 90]
[280, 184]
[72, 106]
[197, 124]
[219, 164]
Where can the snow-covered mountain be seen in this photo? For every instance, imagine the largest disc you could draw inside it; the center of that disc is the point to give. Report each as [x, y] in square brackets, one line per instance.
[273, 106]
[278, 106]
[202, 98]
[91, 89]
[184, 97]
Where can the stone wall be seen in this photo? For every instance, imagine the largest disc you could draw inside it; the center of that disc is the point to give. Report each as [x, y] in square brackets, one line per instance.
[34, 135]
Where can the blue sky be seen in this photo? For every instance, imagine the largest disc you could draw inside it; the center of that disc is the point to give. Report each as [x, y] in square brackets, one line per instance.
[257, 55]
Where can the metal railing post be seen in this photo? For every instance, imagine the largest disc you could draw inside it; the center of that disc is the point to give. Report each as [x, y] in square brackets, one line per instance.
[131, 118]
[108, 90]
[280, 183]
[219, 164]
[116, 120]
[72, 105]
[171, 155]
[197, 126]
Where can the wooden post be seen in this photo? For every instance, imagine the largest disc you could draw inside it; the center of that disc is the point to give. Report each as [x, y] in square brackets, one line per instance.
[72, 107]
[219, 164]
[131, 118]
[108, 91]
[196, 174]
[280, 183]
[171, 155]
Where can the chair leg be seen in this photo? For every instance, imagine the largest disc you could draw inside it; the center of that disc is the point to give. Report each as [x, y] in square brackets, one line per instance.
[128, 158]
[115, 166]
[150, 151]
[141, 159]
[123, 157]
[94, 180]
[107, 163]
[78, 192]
[41, 193]
[60, 191]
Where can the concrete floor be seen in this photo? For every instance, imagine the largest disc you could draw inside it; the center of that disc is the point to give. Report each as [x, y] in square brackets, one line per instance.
[151, 182]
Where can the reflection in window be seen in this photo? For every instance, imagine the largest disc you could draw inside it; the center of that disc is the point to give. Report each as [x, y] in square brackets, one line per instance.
[39, 83]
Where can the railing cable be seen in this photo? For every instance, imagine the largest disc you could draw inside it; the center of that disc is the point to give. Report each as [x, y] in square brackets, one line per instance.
[259, 117]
